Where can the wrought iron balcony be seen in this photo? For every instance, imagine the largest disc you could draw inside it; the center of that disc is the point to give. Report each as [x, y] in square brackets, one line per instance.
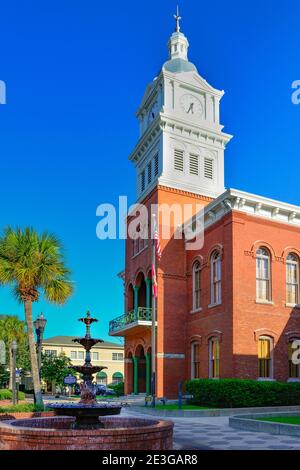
[136, 317]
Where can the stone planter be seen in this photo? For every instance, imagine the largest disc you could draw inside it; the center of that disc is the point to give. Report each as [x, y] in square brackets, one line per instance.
[56, 433]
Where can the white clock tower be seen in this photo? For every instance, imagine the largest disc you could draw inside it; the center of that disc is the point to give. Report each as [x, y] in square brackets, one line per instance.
[181, 142]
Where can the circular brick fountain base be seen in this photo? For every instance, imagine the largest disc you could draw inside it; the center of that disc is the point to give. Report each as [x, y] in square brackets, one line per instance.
[56, 433]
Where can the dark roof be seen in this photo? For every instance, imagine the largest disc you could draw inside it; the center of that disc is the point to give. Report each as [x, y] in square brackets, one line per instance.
[67, 341]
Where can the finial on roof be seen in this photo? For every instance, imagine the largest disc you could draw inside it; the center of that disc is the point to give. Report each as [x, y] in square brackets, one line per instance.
[177, 18]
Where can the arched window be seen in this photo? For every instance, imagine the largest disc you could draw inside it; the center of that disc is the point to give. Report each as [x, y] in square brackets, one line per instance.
[294, 369]
[196, 285]
[101, 378]
[214, 358]
[117, 378]
[216, 275]
[263, 275]
[265, 352]
[195, 353]
[292, 279]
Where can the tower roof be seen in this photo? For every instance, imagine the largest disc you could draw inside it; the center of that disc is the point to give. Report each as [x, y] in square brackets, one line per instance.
[178, 48]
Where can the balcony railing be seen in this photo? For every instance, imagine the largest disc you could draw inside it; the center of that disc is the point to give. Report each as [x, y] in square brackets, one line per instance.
[139, 314]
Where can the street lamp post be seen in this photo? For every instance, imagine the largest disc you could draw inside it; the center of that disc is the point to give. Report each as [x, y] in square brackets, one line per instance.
[14, 348]
[39, 326]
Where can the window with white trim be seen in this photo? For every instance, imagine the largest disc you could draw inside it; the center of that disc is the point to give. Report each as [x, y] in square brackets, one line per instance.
[208, 168]
[73, 354]
[95, 356]
[196, 285]
[51, 352]
[141, 241]
[216, 278]
[194, 164]
[293, 353]
[265, 349]
[214, 358]
[178, 160]
[263, 275]
[292, 279]
[195, 356]
[117, 356]
[80, 355]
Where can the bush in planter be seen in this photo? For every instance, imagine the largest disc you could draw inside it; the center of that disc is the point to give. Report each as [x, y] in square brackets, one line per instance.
[23, 408]
[6, 394]
[118, 388]
[239, 393]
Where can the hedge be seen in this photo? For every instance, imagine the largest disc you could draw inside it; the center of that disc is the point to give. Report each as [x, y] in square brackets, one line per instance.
[118, 388]
[27, 407]
[239, 393]
[6, 394]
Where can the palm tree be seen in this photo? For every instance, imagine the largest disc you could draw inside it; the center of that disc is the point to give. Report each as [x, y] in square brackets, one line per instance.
[11, 328]
[33, 264]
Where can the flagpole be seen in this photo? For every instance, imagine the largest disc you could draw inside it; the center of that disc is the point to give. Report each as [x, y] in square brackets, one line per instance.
[153, 327]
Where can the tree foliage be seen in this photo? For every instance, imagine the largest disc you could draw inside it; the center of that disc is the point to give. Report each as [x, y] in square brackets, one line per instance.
[55, 368]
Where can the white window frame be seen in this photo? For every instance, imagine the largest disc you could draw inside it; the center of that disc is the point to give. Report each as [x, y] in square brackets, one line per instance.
[216, 281]
[293, 379]
[95, 355]
[196, 271]
[295, 263]
[271, 367]
[267, 280]
[210, 357]
[193, 375]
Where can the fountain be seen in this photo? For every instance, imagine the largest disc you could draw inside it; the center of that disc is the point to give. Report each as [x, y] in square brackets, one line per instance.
[88, 410]
[86, 425]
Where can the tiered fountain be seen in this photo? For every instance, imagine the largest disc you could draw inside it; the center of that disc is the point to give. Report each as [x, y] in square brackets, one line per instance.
[85, 425]
[88, 410]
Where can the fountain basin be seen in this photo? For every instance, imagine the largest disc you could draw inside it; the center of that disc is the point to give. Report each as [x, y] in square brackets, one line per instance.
[56, 433]
[86, 415]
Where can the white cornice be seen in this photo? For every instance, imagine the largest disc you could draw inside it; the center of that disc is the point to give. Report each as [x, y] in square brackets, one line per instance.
[162, 120]
[146, 140]
[252, 204]
[200, 130]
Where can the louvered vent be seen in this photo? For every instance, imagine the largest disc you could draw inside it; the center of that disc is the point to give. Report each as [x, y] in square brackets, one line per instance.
[143, 181]
[156, 165]
[149, 172]
[178, 160]
[194, 164]
[208, 168]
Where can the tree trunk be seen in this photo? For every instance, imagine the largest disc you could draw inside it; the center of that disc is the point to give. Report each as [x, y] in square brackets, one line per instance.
[33, 356]
[10, 367]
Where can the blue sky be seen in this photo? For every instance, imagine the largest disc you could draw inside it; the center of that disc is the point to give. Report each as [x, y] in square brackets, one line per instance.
[75, 73]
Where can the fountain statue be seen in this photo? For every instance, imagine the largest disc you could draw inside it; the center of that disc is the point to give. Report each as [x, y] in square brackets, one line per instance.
[88, 410]
[86, 425]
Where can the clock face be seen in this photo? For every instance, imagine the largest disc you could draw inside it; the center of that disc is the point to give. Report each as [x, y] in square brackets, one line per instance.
[152, 112]
[191, 105]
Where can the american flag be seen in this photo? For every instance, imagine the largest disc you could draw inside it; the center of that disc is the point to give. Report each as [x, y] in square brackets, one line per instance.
[157, 243]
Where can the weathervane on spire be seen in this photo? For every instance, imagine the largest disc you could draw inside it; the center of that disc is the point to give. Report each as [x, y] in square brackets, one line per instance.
[177, 18]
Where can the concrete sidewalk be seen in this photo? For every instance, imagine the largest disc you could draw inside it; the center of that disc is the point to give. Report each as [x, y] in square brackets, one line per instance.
[209, 433]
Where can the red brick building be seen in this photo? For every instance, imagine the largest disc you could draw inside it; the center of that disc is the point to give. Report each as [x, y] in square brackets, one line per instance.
[231, 307]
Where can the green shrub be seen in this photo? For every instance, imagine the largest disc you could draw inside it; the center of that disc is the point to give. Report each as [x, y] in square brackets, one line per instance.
[239, 393]
[118, 388]
[28, 407]
[6, 394]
